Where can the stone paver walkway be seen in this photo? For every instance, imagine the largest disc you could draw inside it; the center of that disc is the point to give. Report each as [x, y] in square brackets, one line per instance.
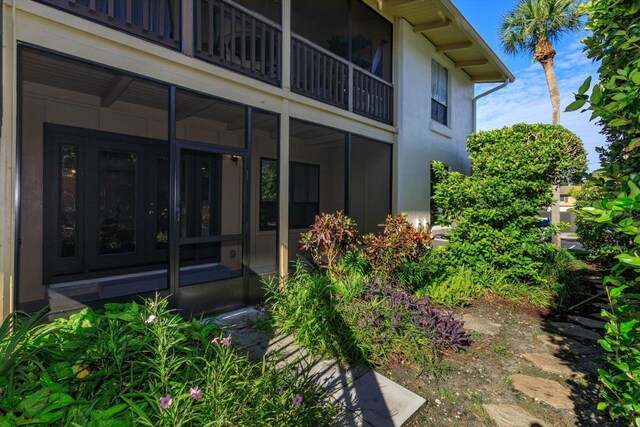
[512, 416]
[370, 399]
[575, 339]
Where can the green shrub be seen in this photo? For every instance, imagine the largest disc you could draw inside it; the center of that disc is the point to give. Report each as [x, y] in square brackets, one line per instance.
[495, 211]
[615, 101]
[144, 365]
[601, 242]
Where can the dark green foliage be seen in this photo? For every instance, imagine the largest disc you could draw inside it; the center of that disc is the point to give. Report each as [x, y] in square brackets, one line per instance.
[496, 210]
[615, 102]
[621, 379]
[112, 369]
[601, 242]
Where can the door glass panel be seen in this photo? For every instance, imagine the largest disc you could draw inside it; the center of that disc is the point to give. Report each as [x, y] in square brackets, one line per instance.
[68, 200]
[211, 215]
[210, 262]
[117, 202]
[204, 169]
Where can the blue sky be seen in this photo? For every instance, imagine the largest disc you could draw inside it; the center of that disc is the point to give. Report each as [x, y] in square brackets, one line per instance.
[527, 99]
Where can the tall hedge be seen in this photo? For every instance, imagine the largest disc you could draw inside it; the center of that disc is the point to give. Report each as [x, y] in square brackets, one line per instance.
[496, 209]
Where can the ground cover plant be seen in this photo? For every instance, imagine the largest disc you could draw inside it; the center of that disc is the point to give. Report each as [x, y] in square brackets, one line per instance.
[143, 365]
[615, 102]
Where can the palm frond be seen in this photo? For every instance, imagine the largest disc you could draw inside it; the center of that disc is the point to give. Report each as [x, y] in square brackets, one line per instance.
[533, 20]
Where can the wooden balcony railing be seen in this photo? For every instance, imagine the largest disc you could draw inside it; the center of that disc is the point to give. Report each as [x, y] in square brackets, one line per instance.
[318, 73]
[323, 75]
[372, 96]
[155, 20]
[235, 37]
[232, 36]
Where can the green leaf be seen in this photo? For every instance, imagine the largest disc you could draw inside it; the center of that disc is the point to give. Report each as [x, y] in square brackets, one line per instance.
[602, 406]
[605, 345]
[628, 326]
[618, 122]
[596, 94]
[633, 189]
[585, 86]
[575, 105]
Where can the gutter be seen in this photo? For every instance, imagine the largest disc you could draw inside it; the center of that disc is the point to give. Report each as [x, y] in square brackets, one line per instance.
[482, 95]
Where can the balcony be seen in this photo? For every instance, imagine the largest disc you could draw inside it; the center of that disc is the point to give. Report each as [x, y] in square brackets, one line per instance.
[323, 75]
[234, 37]
[154, 20]
[329, 62]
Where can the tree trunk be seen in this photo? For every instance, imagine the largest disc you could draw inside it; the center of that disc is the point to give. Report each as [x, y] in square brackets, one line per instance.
[554, 92]
[555, 215]
[544, 53]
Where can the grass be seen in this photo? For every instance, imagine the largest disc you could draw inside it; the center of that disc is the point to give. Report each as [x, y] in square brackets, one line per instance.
[465, 284]
[500, 350]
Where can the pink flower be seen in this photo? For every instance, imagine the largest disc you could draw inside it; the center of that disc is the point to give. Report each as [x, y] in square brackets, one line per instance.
[150, 319]
[226, 341]
[297, 400]
[196, 393]
[215, 340]
[165, 401]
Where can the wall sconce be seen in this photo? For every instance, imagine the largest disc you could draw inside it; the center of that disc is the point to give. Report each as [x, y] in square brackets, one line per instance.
[235, 158]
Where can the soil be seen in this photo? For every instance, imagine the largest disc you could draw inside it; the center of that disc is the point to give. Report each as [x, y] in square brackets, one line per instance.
[460, 383]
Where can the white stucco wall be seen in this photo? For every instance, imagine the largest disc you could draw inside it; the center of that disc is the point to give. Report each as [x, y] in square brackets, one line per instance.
[421, 140]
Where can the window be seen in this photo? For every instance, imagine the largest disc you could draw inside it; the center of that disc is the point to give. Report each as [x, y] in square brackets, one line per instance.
[304, 195]
[268, 194]
[439, 93]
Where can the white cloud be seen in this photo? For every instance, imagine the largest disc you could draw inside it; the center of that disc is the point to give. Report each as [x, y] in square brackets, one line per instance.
[527, 99]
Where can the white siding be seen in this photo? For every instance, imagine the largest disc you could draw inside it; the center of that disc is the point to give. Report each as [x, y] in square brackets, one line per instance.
[421, 140]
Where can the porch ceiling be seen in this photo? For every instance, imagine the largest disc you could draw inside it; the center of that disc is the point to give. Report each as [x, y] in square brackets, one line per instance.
[447, 29]
[111, 86]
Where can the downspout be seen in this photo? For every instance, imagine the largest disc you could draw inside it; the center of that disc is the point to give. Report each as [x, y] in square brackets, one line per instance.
[482, 95]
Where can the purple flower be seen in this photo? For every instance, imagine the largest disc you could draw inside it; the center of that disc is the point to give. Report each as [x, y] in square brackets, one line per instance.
[226, 341]
[215, 340]
[196, 393]
[297, 400]
[165, 401]
[281, 390]
[150, 319]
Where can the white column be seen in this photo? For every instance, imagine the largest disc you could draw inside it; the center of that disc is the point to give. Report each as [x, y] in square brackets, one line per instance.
[283, 211]
[7, 166]
[286, 44]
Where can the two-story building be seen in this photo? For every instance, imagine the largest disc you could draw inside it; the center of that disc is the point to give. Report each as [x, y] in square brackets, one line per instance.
[181, 146]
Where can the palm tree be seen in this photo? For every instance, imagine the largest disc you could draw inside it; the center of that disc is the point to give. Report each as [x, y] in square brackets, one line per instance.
[532, 27]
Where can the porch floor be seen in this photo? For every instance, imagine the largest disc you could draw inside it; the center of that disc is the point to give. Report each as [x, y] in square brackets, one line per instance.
[370, 399]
